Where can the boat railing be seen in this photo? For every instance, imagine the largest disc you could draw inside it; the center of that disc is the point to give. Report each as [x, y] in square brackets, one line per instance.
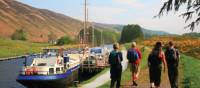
[39, 73]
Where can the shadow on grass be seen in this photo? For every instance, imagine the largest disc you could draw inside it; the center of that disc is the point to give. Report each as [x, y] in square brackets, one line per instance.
[187, 82]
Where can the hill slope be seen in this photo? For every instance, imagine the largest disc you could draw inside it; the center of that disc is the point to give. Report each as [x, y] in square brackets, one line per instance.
[37, 23]
[119, 28]
[149, 33]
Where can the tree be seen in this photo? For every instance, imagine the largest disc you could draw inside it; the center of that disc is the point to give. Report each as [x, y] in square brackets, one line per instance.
[131, 33]
[193, 9]
[64, 40]
[19, 35]
[108, 36]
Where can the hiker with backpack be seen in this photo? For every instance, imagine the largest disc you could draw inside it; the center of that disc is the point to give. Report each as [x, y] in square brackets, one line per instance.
[172, 57]
[134, 56]
[155, 59]
[115, 59]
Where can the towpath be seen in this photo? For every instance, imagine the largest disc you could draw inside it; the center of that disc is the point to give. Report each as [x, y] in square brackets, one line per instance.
[143, 81]
[106, 76]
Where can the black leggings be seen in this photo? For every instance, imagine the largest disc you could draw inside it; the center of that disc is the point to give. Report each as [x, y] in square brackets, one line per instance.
[173, 76]
[115, 72]
[155, 75]
[113, 83]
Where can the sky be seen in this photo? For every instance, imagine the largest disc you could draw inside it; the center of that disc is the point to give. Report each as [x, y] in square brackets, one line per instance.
[118, 12]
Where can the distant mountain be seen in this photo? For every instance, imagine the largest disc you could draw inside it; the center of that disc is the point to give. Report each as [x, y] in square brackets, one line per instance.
[148, 33]
[37, 23]
[115, 27]
[118, 27]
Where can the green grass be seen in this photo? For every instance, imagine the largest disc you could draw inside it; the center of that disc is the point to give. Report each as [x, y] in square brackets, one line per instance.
[191, 72]
[126, 75]
[94, 77]
[9, 48]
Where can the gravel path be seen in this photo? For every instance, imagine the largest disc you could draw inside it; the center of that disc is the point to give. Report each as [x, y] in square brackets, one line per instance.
[143, 81]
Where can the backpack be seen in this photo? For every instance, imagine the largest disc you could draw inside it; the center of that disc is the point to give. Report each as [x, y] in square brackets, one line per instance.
[132, 55]
[154, 59]
[172, 56]
[113, 58]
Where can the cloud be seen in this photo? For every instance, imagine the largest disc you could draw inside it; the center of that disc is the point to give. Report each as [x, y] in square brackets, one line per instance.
[130, 3]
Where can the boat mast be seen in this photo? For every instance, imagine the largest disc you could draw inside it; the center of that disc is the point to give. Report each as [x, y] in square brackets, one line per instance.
[84, 30]
[101, 37]
[92, 35]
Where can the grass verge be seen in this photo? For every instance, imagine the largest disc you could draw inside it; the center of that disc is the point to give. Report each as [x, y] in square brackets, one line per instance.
[9, 48]
[191, 72]
[95, 76]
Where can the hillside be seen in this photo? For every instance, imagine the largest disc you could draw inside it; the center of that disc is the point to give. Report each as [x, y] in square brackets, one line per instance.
[192, 34]
[118, 27]
[149, 33]
[37, 23]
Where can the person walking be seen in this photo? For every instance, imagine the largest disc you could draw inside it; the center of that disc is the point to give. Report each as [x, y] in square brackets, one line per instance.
[155, 59]
[115, 59]
[172, 57]
[134, 57]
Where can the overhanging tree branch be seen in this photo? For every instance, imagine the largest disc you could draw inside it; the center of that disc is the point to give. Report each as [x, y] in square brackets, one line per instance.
[192, 10]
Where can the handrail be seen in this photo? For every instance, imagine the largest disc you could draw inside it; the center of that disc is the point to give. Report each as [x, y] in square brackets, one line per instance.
[36, 72]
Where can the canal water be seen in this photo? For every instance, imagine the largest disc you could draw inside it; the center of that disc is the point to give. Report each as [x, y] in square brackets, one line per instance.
[9, 71]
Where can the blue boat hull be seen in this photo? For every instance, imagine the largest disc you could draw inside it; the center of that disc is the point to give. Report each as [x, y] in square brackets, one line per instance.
[51, 81]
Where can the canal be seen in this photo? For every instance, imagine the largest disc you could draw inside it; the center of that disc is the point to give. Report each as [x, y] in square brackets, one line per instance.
[9, 71]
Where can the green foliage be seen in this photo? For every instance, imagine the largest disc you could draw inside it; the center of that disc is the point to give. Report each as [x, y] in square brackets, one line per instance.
[191, 14]
[64, 40]
[191, 72]
[108, 36]
[131, 33]
[19, 35]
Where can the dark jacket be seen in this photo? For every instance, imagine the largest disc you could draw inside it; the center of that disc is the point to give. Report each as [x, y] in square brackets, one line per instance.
[115, 59]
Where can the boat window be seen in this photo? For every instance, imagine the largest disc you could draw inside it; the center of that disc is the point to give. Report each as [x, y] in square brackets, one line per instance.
[57, 69]
[42, 64]
[51, 70]
[95, 51]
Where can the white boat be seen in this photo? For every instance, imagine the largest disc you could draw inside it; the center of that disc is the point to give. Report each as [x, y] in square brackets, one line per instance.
[97, 59]
[51, 70]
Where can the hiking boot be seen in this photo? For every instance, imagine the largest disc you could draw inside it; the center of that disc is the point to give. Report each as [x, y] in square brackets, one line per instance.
[134, 83]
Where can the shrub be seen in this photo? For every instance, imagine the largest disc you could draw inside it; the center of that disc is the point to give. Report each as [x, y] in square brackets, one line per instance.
[131, 33]
[19, 35]
[64, 40]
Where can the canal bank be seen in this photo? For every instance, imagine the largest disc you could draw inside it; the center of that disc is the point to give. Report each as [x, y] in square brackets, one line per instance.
[15, 57]
[104, 78]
